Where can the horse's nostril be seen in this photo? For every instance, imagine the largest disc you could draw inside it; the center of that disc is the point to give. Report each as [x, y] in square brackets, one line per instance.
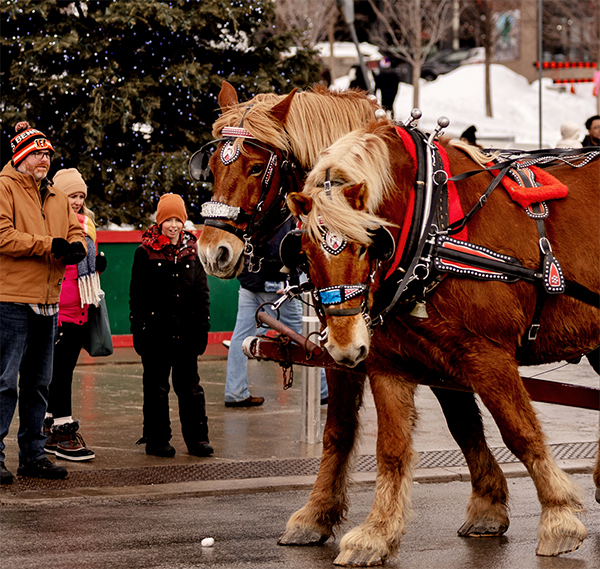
[362, 353]
[224, 255]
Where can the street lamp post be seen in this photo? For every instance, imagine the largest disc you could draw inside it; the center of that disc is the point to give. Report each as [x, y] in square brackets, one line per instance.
[346, 7]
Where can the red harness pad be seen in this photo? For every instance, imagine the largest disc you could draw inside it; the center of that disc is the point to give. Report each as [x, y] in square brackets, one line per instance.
[455, 210]
[534, 185]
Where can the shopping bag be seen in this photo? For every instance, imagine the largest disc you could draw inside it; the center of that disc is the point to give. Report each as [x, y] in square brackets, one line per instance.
[98, 341]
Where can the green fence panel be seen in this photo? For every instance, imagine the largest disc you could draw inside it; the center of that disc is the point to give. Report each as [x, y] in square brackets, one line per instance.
[115, 283]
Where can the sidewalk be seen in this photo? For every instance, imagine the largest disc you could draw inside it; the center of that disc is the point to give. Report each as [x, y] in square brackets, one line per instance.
[259, 448]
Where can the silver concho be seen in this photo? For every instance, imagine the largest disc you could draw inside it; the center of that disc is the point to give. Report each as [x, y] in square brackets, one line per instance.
[333, 243]
[229, 153]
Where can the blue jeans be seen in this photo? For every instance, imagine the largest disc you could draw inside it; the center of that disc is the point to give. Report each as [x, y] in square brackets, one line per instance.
[26, 353]
[290, 313]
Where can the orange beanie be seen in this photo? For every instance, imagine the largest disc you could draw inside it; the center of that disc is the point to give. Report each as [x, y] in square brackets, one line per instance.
[170, 205]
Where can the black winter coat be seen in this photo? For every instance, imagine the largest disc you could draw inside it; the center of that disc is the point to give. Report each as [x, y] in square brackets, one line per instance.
[168, 294]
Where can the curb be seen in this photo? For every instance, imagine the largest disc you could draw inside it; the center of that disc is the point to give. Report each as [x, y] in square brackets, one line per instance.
[201, 488]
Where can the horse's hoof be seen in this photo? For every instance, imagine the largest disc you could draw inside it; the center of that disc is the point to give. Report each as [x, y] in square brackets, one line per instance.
[598, 495]
[483, 528]
[302, 536]
[552, 548]
[358, 558]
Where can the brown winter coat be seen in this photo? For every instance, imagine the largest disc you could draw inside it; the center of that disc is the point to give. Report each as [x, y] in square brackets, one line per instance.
[29, 273]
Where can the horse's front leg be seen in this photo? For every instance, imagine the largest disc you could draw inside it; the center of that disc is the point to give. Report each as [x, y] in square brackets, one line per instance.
[487, 511]
[379, 536]
[313, 524]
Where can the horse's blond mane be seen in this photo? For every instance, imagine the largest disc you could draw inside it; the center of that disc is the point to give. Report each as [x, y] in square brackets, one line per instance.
[315, 120]
[480, 157]
[360, 157]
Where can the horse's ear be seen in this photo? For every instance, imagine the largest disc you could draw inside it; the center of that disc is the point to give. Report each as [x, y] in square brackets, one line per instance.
[299, 203]
[356, 196]
[280, 110]
[227, 97]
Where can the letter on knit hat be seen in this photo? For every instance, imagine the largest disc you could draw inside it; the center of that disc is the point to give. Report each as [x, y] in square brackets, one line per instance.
[28, 140]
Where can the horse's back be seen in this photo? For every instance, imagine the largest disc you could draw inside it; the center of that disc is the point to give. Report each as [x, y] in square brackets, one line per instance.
[573, 225]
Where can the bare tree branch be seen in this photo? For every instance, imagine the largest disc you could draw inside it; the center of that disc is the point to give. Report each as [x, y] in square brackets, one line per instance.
[412, 29]
[308, 19]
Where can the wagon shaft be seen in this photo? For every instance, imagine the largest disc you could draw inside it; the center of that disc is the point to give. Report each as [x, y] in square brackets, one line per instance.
[544, 391]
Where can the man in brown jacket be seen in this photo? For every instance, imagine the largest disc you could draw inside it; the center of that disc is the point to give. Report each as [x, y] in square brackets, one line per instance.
[39, 235]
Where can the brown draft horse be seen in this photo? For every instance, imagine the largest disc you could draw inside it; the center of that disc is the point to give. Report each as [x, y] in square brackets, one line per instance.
[471, 329]
[301, 125]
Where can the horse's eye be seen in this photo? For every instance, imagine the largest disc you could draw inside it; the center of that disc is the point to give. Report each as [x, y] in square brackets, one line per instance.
[256, 170]
[361, 251]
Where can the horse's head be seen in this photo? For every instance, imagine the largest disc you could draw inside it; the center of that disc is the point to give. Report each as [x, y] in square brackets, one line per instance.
[264, 147]
[344, 241]
[250, 174]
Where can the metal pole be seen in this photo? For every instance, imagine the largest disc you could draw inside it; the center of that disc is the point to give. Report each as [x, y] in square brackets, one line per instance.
[311, 382]
[346, 7]
[455, 25]
[540, 56]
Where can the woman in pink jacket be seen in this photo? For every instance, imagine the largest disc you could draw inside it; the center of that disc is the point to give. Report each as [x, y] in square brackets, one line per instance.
[80, 288]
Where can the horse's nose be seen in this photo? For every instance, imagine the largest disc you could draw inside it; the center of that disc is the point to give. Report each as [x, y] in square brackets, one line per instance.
[349, 356]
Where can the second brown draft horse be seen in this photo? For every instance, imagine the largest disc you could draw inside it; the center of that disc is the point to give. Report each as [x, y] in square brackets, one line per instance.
[447, 321]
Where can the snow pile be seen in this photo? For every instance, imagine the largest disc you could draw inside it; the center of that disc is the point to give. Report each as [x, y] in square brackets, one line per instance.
[460, 96]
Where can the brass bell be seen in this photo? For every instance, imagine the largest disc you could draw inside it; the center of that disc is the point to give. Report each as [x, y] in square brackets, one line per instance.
[420, 310]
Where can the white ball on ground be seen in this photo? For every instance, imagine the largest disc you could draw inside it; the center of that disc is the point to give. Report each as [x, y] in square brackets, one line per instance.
[207, 542]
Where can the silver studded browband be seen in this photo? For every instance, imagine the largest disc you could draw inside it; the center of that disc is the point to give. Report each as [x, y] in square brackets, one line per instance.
[218, 210]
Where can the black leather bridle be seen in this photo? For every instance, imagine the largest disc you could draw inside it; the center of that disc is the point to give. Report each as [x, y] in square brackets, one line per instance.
[271, 217]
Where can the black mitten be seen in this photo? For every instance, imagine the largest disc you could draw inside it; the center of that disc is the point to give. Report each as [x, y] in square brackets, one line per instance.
[76, 253]
[100, 263]
[60, 247]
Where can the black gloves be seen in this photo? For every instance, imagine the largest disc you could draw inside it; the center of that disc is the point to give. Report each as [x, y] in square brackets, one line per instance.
[70, 253]
[76, 255]
[60, 247]
[100, 263]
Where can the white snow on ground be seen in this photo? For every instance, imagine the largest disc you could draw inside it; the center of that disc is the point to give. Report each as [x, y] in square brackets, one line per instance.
[460, 96]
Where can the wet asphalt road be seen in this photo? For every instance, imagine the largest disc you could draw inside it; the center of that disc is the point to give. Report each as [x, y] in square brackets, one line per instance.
[165, 533]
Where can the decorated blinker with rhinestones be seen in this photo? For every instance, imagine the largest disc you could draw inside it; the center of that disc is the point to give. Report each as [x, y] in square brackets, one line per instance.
[331, 242]
[229, 153]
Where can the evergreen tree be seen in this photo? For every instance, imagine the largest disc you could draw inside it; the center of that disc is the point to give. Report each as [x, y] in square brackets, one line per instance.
[127, 90]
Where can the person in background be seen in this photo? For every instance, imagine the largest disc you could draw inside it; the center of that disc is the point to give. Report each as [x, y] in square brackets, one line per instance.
[569, 132]
[358, 80]
[80, 288]
[256, 288]
[39, 236]
[387, 82]
[469, 136]
[169, 315]
[593, 136]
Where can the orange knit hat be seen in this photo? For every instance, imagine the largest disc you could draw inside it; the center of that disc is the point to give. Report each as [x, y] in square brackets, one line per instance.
[170, 205]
